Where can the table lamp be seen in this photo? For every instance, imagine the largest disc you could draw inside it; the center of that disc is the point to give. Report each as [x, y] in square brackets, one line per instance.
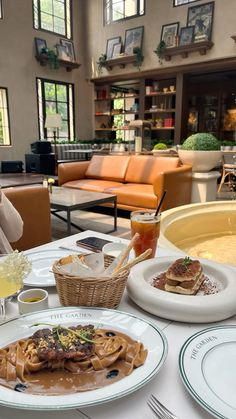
[54, 122]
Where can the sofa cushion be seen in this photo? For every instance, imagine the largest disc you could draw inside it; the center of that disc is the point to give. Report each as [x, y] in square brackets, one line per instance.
[108, 168]
[135, 195]
[144, 169]
[95, 185]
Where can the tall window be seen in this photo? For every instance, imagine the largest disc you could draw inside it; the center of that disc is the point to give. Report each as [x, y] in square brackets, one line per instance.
[180, 2]
[115, 10]
[4, 118]
[56, 97]
[0, 9]
[53, 16]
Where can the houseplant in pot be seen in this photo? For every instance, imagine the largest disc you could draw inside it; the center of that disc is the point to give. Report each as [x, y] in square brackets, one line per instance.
[202, 151]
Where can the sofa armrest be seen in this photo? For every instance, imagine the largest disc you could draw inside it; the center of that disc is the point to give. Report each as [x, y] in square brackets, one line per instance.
[177, 183]
[71, 171]
[33, 205]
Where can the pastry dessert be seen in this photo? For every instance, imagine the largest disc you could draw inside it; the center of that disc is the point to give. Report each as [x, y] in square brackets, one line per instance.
[184, 276]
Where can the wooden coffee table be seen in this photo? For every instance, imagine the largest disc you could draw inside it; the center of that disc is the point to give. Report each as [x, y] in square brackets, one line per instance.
[68, 200]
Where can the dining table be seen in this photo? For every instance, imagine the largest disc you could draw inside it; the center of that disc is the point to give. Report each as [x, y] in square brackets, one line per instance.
[167, 385]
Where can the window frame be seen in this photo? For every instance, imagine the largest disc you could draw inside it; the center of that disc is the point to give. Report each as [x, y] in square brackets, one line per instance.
[105, 22]
[41, 127]
[8, 118]
[38, 27]
[184, 4]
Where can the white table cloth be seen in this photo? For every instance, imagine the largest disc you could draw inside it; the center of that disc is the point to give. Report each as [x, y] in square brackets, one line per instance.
[167, 384]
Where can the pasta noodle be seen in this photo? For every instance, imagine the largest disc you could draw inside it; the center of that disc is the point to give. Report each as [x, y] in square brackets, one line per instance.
[80, 358]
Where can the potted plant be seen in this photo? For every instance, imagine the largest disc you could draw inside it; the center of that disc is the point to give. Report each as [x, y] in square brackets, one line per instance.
[102, 63]
[139, 57]
[159, 51]
[202, 151]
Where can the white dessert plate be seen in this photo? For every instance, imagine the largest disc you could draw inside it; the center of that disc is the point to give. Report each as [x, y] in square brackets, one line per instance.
[185, 308]
[41, 274]
[207, 363]
[137, 328]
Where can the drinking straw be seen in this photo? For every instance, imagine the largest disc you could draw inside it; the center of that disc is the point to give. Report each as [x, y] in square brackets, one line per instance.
[159, 206]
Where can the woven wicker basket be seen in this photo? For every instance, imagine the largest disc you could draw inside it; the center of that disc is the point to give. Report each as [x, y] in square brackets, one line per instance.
[89, 292]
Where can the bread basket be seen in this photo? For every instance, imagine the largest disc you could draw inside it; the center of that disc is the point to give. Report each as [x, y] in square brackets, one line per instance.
[89, 292]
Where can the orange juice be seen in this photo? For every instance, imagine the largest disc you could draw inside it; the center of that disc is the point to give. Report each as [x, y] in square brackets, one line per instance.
[148, 226]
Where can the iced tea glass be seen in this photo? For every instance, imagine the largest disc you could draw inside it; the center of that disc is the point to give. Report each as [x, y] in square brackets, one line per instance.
[147, 224]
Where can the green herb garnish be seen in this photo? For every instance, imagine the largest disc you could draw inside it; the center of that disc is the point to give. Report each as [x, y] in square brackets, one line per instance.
[186, 262]
[56, 329]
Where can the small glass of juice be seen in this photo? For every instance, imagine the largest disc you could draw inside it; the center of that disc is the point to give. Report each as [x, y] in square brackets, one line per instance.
[147, 224]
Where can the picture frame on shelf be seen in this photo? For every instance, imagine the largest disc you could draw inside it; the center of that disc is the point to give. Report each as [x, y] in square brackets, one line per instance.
[177, 3]
[110, 44]
[201, 17]
[62, 53]
[169, 33]
[70, 49]
[40, 44]
[116, 50]
[186, 36]
[133, 39]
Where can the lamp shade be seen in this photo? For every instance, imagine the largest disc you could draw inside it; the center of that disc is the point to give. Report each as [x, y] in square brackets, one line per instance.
[53, 121]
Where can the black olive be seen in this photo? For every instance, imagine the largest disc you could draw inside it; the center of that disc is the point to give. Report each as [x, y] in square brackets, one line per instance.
[20, 387]
[112, 374]
[110, 334]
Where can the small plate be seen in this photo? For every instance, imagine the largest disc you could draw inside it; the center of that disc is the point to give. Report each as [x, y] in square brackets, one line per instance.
[185, 308]
[42, 261]
[207, 363]
[137, 328]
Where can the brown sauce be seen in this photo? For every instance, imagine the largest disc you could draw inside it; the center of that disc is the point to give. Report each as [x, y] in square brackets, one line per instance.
[59, 382]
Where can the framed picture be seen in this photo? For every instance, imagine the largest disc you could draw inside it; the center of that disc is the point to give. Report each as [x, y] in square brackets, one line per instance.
[116, 50]
[133, 39]
[169, 33]
[110, 44]
[182, 2]
[39, 45]
[70, 48]
[62, 53]
[193, 120]
[186, 36]
[201, 17]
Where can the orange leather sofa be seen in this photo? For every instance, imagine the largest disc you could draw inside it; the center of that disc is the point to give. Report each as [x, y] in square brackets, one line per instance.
[33, 204]
[138, 181]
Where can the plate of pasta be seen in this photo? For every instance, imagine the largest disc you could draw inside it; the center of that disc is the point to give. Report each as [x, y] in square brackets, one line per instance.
[75, 357]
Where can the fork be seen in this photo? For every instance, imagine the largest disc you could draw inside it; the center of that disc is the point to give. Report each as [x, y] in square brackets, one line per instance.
[160, 411]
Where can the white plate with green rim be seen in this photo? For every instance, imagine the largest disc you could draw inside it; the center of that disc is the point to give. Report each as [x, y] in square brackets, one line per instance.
[137, 328]
[207, 364]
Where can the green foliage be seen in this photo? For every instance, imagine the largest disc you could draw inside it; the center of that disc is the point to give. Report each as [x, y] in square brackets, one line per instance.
[139, 56]
[52, 57]
[160, 146]
[201, 141]
[159, 51]
[102, 62]
[228, 143]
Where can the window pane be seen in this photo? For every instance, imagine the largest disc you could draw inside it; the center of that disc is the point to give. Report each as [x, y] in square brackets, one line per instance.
[50, 91]
[122, 9]
[56, 97]
[4, 121]
[0, 9]
[61, 93]
[53, 16]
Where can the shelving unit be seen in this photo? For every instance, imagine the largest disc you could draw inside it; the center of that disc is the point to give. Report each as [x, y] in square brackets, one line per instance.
[69, 66]
[184, 50]
[115, 107]
[121, 61]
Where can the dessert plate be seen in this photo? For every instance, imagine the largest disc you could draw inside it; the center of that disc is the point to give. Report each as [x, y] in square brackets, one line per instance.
[207, 363]
[137, 328]
[41, 274]
[185, 308]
